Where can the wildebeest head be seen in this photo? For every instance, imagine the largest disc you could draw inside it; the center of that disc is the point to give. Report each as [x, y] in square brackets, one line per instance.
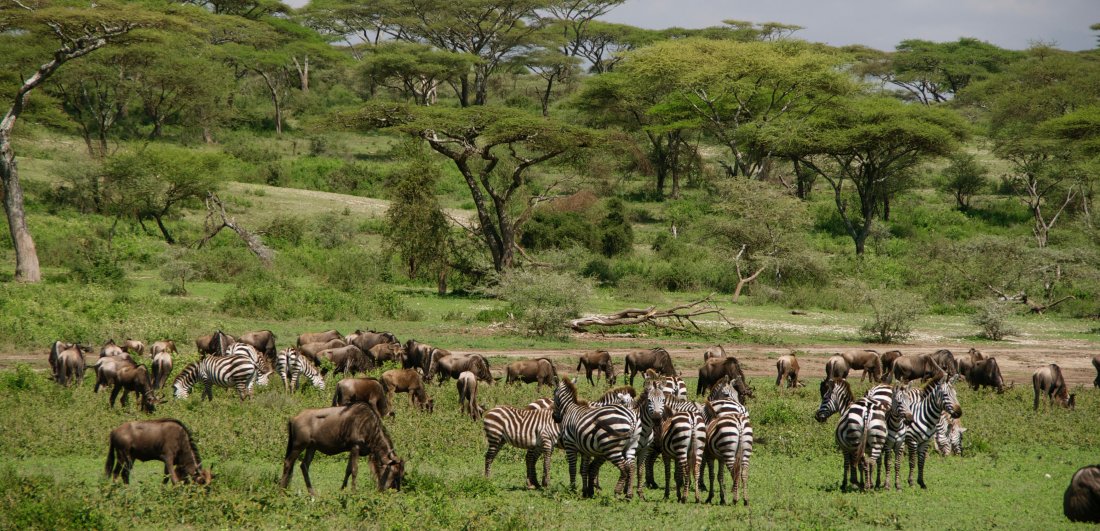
[390, 471]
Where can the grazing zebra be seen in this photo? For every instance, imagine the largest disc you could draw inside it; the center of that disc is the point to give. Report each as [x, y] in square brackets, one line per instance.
[244, 350]
[729, 440]
[723, 399]
[949, 433]
[223, 371]
[683, 436]
[861, 433]
[927, 405]
[292, 365]
[533, 430]
[607, 433]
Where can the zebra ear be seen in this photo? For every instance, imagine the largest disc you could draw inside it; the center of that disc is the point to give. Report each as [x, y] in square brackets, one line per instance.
[573, 379]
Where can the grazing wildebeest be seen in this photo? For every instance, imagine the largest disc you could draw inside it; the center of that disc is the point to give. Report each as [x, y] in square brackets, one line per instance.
[714, 352]
[538, 370]
[355, 429]
[1096, 365]
[657, 359]
[1049, 380]
[888, 358]
[214, 344]
[986, 373]
[467, 395]
[70, 366]
[1081, 503]
[417, 356]
[367, 340]
[55, 349]
[263, 341]
[448, 365]
[318, 337]
[836, 367]
[110, 348]
[347, 359]
[136, 379]
[384, 352]
[365, 390]
[107, 368]
[868, 361]
[162, 367]
[909, 368]
[966, 363]
[310, 350]
[166, 440]
[599, 360]
[166, 345]
[946, 360]
[786, 367]
[408, 381]
[715, 369]
[133, 347]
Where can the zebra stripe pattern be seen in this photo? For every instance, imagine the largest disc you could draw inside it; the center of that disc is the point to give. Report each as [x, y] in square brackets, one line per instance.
[244, 350]
[674, 386]
[291, 365]
[683, 436]
[927, 405]
[836, 395]
[222, 371]
[861, 433]
[608, 433]
[533, 430]
[729, 440]
[897, 426]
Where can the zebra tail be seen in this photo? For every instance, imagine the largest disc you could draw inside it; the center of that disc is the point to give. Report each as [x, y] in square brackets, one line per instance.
[862, 446]
[739, 458]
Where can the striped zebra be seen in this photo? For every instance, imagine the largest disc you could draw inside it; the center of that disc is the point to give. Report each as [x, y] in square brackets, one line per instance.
[533, 430]
[291, 365]
[607, 433]
[836, 395]
[728, 440]
[624, 396]
[244, 350]
[222, 371]
[683, 436]
[650, 441]
[861, 435]
[927, 405]
[674, 386]
[949, 433]
[898, 418]
[723, 399]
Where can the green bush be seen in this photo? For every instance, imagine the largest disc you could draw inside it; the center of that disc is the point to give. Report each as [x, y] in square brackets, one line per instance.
[893, 314]
[543, 301]
[991, 320]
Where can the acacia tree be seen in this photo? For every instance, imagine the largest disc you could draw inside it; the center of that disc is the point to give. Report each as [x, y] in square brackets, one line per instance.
[864, 146]
[933, 72]
[494, 149]
[417, 227]
[415, 70]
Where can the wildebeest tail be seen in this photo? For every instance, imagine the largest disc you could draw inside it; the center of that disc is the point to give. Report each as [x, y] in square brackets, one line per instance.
[110, 457]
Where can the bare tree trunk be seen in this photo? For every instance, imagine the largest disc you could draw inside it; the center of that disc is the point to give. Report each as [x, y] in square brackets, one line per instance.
[274, 90]
[26, 255]
[303, 73]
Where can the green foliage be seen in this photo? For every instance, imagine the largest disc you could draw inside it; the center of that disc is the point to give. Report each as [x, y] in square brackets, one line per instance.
[991, 320]
[618, 236]
[893, 315]
[543, 301]
[963, 178]
[417, 229]
[177, 271]
[95, 263]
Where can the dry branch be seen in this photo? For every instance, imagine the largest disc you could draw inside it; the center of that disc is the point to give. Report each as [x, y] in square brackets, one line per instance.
[675, 318]
[214, 207]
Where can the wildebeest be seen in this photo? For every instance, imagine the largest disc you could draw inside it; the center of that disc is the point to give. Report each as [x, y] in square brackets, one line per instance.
[70, 366]
[836, 367]
[1049, 380]
[107, 368]
[110, 348]
[263, 341]
[1096, 365]
[334, 430]
[909, 368]
[347, 359]
[888, 358]
[166, 440]
[214, 344]
[467, 395]
[868, 361]
[310, 350]
[166, 345]
[946, 360]
[133, 347]
[447, 365]
[384, 352]
[367, 340]
[408, 381]
[162, 367]
[714, 352]
[786, 367]
[715, 369]
[318, 337]
[417, 356]
[55, 349]
[1081, 503]
[365, 390]
[986, 373]
[599, 360]
[135, 379]
[657, 359]
[539, 370]
[966, 363]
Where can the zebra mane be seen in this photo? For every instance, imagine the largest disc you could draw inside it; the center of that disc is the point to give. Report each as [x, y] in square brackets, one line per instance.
[571, 388]
[621, 389]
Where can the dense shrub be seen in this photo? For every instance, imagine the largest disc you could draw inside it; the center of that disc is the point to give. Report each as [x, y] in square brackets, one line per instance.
[543, 301]
[991, 320]
[892, 316]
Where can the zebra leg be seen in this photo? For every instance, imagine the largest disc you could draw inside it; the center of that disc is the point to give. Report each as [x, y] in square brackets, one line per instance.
[353, 467]
[667, 463]
[844, 476]
[923, 451]
[912, 461]
[681, 483]
[547, 451]
[744, 482]
[490, 455]
[898, 449]
[531, 457]
[306, 460]
[650, 462]
[571, 457]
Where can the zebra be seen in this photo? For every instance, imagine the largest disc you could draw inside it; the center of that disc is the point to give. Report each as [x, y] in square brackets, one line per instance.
[927, 405]
[723, 399]
[949, 433]
[674, 386]
[530, 429]
[683, 436]
[624, 396]
[861, 431]
[898, 418]
[836, 395]
[223, 371]
[728, 439]
[244, 350]
[650, 445]
[291, 365]
[607, 433]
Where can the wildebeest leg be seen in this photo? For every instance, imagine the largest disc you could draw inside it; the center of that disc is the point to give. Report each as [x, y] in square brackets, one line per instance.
[353, 467]
[114, 395]
[127, 463]
[588, 374]
[170, 465]
[125, 396]
[288, 464]
[306, 460]
[530, 458]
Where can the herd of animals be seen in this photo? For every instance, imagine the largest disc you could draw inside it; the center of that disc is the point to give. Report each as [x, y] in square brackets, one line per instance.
[627, 428]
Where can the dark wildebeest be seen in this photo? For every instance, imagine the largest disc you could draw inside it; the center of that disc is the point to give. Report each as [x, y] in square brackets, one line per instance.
[986, 373]
[107, 368]
[888, 358]
[166, 440]
[417, 356]
[368, 340]
[70, 365]
[1049, 380]
[355, 429]
[162, 367]
[1081, 502]
[836, 367]
[55, 349]
[909, 368]
[714, 352]
[136, 379]
[868, 361]
[133, 347]
[166, 345]
[263, 341]
[657, 359]
[365, 390]
[966, 363]
[1096, 365]
[347, 359]
[946, 360]
[110, 348]
[786, 367]
[214, 344]
[539, 370]
[599, 360]
[408, 381]
[310, 350]
[384, 352]
[318, 337]
[715, 369]
[448, 365]
[467, 395]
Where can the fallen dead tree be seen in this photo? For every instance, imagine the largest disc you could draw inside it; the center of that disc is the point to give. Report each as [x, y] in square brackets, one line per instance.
[678, 317]
[215, 210]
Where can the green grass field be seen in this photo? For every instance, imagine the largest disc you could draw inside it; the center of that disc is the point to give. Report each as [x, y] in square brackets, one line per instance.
[53, 445]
